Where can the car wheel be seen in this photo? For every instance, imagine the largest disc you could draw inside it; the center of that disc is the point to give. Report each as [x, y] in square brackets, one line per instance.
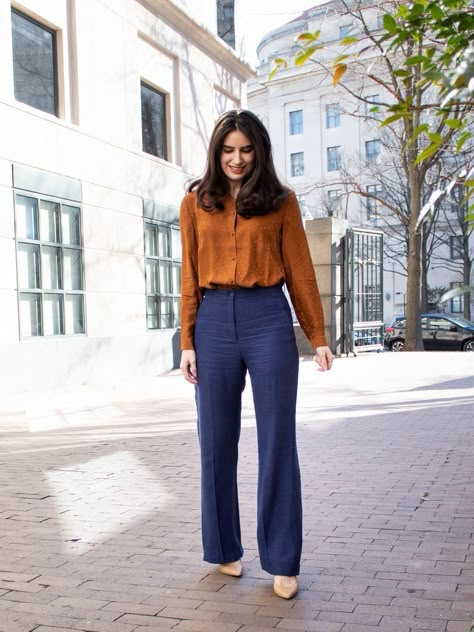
[468, 345]
[397, 345]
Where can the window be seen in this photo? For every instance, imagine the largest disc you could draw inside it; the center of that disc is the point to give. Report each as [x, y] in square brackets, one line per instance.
[333, 115]
[225, 21]
[345, 30]
[297, 164]
[372, 150]
[334, 199]
[34, 63]
[372, 105]
[154, 122]
[458, 200]
[440, 324]
[163, 274]
[334, 158]
[50, 271]
[456, 247]
[457, 302]
[302, 204]
[373, 205]
[296, 122]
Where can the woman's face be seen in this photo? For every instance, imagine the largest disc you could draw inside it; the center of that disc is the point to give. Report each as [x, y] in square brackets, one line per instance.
[237, 157]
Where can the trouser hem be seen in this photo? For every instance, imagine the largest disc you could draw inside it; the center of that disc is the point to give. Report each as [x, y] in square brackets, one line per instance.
[220, 559]
[277, 568]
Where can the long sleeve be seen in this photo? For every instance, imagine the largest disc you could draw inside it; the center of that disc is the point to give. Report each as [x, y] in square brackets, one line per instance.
[300, 276]
[191, 295]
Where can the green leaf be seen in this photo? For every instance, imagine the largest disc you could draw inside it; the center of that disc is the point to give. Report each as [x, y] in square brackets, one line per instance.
[402, 73]
[436, 12]
[418, 8]
[273, 72]
[341, 58]
[348, 40]
[416, 59]
[279, 62]
[391, 119]
[435, 138]
[462, 139]
[417, 131]
[427, 152]
[389, 23]
[302, 57]
[453, 123]
[308, 37]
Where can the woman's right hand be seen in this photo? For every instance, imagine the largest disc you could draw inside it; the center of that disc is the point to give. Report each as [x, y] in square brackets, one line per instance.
[188, 365]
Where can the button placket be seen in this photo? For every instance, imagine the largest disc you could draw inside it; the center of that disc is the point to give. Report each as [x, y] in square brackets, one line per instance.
[234, 256]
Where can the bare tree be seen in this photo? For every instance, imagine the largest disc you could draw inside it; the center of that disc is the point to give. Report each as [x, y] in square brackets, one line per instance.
[420, 131]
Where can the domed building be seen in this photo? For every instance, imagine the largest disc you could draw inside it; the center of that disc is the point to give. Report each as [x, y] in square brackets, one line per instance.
[328, 142]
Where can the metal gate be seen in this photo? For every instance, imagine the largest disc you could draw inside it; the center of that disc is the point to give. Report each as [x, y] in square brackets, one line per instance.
[363, 290]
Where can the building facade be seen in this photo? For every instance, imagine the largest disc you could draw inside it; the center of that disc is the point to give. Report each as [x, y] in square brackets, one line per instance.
[106, 108]
[322, 133]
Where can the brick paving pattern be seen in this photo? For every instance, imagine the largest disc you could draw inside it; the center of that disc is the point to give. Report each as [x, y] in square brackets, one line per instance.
[99, 506]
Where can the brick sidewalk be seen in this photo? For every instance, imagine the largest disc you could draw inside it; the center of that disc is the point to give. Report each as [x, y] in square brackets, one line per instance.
[99, 507]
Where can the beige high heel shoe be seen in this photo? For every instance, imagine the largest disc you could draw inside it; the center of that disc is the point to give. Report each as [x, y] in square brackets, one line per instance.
[285, 587]
[235, 569]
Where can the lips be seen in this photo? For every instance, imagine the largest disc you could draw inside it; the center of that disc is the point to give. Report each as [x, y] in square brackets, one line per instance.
[236, 170]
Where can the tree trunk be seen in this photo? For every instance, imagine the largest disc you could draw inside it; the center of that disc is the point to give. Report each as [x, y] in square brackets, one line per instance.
[467, 281]
[424, 274]
[414, 338]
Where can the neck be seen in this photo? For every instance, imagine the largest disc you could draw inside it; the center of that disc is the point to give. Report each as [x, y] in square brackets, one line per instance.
[234, 189]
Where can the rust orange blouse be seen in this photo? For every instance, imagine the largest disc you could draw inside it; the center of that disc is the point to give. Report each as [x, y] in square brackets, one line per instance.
[222, 248]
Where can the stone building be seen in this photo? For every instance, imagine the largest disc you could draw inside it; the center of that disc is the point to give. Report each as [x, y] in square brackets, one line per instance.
[319, 132]
[106, 108]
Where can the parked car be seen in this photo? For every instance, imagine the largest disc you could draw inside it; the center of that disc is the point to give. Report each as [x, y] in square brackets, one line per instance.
[440, 332]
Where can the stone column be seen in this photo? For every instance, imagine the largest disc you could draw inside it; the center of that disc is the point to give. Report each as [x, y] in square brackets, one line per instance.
[325, 239]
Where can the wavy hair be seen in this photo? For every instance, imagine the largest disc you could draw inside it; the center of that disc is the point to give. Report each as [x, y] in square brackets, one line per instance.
[261, 190]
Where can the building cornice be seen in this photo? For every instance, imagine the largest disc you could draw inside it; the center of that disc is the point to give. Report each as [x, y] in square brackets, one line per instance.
[200, 36]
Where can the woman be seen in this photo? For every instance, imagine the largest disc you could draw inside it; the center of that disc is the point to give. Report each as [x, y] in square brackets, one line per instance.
[242, 238]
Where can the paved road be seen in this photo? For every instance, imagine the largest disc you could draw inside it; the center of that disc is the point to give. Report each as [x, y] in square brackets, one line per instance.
[99, 506]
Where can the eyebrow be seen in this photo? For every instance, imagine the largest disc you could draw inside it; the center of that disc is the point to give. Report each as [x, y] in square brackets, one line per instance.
[232, 147]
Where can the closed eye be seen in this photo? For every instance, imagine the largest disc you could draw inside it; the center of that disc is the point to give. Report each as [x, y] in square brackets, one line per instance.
[247, 149]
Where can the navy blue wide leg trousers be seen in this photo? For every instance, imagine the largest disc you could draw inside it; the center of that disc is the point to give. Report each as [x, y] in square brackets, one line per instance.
[239, 331]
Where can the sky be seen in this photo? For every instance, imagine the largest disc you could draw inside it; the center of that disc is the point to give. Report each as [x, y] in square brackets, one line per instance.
[255, 18]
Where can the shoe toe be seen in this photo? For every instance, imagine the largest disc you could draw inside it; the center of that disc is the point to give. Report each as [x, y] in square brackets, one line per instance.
[285, 587]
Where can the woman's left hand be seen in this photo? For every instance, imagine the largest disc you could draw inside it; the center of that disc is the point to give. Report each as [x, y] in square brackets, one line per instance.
[324, 358]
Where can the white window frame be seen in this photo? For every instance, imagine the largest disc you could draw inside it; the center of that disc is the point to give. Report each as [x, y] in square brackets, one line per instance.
[296, 122]
[157, 298]
[334, 158]
[297, 164]
[39, 246]
[372, 149]
[333, 115]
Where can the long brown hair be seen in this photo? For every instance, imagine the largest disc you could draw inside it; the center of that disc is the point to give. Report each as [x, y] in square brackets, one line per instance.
[261, 191]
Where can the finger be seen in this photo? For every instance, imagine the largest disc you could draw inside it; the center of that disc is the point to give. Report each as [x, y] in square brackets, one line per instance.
[324, 359]
[187, 373]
